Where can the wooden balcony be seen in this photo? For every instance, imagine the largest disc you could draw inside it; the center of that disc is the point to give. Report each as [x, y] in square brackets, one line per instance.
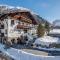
[22, 18]
[22, 27]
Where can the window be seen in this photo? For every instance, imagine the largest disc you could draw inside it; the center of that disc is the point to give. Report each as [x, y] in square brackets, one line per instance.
[0, 31]
[5, 31]
[2, 34]
[18, 22]
[12, 22]
[2, 26]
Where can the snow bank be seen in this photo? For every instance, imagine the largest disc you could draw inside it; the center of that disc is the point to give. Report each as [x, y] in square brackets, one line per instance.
[46, 40]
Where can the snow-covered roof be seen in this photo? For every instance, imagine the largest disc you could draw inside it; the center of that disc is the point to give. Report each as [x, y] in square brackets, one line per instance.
[55, 31]
[46, 40]
[5, 7]
[56, 22]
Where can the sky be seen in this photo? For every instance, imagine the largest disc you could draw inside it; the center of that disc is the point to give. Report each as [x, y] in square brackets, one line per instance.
[48, 9]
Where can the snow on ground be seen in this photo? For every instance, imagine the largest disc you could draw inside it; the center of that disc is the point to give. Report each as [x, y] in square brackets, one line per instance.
[46, 40]
[29, 56]
[10, 52]
[21, 55]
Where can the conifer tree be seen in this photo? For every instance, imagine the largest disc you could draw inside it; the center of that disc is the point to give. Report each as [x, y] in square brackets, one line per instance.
[47, 27]
[40, 30]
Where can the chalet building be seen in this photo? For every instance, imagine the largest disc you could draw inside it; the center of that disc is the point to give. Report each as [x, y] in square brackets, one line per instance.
[56, 24]
[55, 29]
[14, 25]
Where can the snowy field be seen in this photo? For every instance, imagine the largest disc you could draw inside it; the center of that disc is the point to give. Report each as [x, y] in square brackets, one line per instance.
[21, 55]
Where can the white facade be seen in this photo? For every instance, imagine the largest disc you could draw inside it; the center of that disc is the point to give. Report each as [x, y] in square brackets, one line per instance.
[10, 30]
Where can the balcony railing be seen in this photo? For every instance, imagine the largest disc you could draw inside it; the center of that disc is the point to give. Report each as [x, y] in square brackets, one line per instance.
[19, 26]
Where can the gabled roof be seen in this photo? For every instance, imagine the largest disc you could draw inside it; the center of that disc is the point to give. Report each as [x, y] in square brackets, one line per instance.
[16, 15]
